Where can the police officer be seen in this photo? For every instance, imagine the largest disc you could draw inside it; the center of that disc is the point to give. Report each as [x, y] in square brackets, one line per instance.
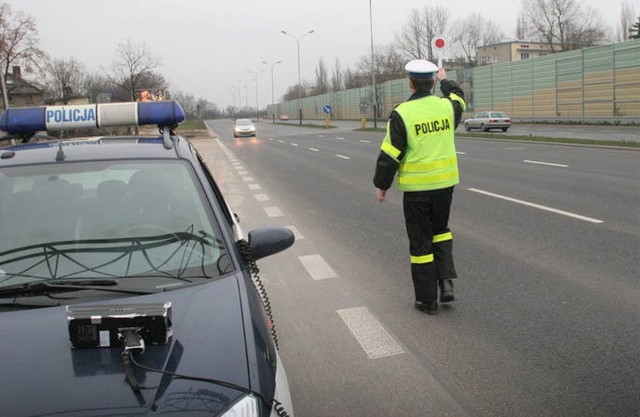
[419, 147]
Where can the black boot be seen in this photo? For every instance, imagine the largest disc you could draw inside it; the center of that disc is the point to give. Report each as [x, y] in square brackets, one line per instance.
[426, 288]
[446, 290]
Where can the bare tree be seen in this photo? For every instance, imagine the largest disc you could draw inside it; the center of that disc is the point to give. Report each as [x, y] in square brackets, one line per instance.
[411, 38]
[97, 87]
[134, 65]
[627, 14]
[337, 81]
[19, 42]
[355, 79]
[322, 81]
[389, 64]
[564, 23]
[473, 32]
[521, 28]
[66, 78]
[421, 29]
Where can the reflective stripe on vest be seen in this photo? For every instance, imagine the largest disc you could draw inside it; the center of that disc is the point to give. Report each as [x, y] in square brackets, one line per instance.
[430, 162]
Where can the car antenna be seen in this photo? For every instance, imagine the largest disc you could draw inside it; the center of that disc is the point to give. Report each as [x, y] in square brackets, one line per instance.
[60, 154]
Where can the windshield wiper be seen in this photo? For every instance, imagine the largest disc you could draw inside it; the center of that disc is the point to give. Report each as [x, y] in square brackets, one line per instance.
[43, 288]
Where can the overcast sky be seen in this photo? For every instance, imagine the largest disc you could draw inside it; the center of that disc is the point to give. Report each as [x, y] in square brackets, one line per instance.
[207, 47]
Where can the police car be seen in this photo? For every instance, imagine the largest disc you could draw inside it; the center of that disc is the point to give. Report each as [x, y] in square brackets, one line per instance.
[126, 284]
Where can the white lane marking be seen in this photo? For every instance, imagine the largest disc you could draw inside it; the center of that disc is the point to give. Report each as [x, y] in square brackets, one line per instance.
[320, 136]
[461, 153]
[545, 163]
[314, 149]
[247, 179]
[296, 232]
[538, 206]
[243, 172]
[340, 138]
[262, 197]
[317, 267]
[270, 138]
[364, 141]
[273, 212]
[280, 141]
[294, 144]
[374, 339]
[342, 156]
[255, 187]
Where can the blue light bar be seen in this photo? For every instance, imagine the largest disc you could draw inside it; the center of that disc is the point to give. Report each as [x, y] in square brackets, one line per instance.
[49, 118]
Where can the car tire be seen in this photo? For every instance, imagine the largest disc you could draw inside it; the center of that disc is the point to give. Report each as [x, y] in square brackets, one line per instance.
[467, 127]
[484, 128]
[504, 129]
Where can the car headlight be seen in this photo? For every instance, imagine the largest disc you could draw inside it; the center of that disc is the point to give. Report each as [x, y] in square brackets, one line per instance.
[247, 406]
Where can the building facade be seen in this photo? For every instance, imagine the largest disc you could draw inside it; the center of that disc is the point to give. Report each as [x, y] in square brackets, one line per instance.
[513, 51]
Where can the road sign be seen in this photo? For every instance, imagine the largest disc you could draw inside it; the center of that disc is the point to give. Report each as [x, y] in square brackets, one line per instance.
[327, 109]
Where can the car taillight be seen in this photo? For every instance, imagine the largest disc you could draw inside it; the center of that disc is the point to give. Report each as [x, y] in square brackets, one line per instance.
[508, 120]
[492, 120]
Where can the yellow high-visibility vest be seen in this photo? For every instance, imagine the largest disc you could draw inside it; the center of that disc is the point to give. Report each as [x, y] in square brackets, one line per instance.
[430, 161]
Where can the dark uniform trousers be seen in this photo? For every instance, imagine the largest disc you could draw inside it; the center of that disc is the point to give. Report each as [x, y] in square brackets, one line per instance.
[426, 216]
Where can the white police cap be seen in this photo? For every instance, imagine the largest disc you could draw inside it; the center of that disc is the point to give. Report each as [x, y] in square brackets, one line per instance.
[420, 68]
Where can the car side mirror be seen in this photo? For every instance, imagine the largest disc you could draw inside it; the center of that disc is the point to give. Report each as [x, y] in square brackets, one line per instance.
[267, 241]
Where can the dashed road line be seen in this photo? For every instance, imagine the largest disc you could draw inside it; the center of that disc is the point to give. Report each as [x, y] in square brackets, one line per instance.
[273, 212]
[314, 149]
[372, 337]
[545, 163]
[262, 197]
[317, 267]
[296, 232]
[255, 187]
[342, 156]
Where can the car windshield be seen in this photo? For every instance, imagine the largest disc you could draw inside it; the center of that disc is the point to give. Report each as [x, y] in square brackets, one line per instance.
[105, 219]
[499, 114]
[244, 122]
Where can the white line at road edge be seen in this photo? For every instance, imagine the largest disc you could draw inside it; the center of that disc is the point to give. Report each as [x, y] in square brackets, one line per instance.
[373, 338]
[342, 156]
[538, 206]
[545, 163]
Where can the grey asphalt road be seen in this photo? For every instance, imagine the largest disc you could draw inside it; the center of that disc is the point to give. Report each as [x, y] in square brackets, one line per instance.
[547, 239]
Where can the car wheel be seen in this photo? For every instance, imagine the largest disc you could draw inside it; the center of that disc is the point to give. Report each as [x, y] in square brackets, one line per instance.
[467, 127]
[483, 128]
[504, 129]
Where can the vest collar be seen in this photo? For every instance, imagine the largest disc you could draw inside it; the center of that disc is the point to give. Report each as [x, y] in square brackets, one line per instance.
[418, 95]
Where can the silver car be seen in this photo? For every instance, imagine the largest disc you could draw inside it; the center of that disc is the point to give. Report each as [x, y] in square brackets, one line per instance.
[244, 127]
[487, 120]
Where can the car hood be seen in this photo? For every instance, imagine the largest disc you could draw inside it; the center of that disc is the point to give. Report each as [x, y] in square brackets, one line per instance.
[43, 375]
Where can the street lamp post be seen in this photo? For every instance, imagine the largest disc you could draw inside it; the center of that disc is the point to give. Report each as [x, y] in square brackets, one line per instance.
[246, 93]
[255, 77]
[373, 73]
[273, 113]
[297, 39]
